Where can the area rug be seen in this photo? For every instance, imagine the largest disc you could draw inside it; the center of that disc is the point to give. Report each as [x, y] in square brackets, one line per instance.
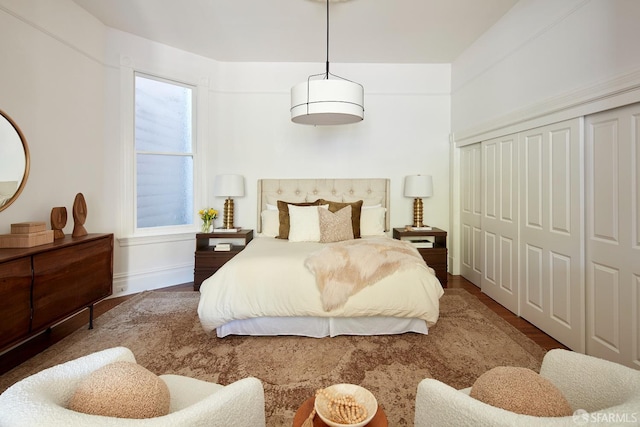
[163, 331]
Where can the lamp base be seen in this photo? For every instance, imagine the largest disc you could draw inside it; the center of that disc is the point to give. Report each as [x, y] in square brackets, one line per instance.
[228, 214]
[417, 212]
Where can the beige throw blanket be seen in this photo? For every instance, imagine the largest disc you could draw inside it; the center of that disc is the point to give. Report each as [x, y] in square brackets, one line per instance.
[344, 268]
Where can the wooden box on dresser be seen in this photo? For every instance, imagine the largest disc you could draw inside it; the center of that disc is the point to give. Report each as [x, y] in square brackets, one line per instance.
[43, 285]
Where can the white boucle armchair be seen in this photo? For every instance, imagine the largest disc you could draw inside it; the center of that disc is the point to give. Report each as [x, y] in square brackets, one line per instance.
[599, 391]
[41, 399]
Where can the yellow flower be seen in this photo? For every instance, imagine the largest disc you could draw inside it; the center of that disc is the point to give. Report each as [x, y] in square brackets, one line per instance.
[208, 214]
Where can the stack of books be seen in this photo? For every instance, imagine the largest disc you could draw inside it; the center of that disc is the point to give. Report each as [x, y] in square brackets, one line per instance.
[222, 247]
[226, 230]
[422, 243]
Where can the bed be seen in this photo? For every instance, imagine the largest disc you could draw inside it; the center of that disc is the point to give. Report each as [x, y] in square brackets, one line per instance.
[293, 285]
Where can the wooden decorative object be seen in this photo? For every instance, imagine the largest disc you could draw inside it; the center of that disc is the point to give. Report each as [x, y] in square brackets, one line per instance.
[26, 240]
[58, 221]
[28, 227]
[26, 235]
[79, 216]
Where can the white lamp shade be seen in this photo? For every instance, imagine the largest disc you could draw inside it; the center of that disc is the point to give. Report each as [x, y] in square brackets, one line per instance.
[327, 102]
[418, 186]
[229, 186]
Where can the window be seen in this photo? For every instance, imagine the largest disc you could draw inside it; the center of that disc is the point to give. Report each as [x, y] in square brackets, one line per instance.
[164, 153]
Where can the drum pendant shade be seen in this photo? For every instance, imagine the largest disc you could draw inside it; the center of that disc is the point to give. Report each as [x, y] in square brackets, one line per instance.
[327, 102]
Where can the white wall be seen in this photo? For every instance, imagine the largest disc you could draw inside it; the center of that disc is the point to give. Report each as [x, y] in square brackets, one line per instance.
[544, 56]
[64, 82]
[405, 131]
[52, 85]
[543, 62]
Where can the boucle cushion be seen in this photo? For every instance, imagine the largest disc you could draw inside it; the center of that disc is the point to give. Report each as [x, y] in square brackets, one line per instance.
[335, 227]
[283, 216]
[122, 390]
[356, 208]
[522, 391]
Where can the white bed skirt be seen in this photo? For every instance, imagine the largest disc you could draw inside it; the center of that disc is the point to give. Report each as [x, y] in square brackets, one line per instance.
[318, 327]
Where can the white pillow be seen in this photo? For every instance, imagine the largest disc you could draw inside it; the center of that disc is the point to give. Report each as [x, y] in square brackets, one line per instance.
[271, 207]
[304, 223]
[270, 222]
[372, 221]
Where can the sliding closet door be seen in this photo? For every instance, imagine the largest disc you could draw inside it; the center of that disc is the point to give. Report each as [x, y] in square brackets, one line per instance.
[471, 191]
[499, 221]
[551, 231]
[613, 235]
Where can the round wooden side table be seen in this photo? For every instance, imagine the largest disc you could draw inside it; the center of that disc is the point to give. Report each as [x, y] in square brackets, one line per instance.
[379, 420]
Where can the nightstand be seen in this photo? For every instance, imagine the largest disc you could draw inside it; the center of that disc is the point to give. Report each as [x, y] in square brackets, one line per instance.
[435, 257]
[208, 260]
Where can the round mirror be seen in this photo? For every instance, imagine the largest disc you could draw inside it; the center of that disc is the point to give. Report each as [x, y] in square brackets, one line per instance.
[14, 161]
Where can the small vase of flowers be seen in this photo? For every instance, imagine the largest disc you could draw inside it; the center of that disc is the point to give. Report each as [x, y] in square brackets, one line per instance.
[207, 215]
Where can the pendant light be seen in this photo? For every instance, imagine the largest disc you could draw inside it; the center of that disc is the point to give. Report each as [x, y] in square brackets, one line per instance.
[327, 101]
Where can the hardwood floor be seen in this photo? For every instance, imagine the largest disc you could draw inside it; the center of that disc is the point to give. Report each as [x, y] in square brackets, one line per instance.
[535, 334]
[25, 351]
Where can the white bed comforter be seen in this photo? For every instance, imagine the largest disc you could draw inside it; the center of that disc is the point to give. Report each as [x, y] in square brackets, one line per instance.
[269, 279]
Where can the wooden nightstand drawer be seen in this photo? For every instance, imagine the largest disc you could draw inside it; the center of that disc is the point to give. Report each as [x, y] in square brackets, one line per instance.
[216, 259]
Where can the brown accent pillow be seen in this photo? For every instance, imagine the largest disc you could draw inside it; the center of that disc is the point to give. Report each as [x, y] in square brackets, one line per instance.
[356, 209]
[335, 227]
[122, 390]
[283, 214]
[522, 391]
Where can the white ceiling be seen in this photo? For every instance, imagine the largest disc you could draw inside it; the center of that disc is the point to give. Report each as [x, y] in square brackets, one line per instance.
[361, 31]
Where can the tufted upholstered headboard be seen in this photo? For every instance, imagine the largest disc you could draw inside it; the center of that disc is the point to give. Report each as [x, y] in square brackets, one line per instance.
[371, 190]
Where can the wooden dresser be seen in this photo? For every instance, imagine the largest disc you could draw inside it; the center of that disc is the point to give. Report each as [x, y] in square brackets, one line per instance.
[43, 285]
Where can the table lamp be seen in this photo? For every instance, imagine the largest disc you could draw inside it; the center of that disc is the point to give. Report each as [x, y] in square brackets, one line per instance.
[418, 187]
[228, 186]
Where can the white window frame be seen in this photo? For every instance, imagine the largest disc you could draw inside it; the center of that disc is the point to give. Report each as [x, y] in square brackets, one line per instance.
[130, 235]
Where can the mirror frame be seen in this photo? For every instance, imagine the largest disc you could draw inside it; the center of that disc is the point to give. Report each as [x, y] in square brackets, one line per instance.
[27, 161]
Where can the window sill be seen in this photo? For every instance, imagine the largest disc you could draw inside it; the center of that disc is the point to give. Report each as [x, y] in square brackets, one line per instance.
[155, 239]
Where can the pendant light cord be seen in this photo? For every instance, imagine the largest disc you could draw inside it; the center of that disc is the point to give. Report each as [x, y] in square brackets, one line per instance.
[327, 69]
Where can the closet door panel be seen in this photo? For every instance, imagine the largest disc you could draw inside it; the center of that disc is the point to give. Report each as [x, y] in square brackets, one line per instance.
[562, 292]
[604, 317]
[605, 153]
[613, 240]
[471, 265]
[499, 221]
[552, 297]
[533, 278]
